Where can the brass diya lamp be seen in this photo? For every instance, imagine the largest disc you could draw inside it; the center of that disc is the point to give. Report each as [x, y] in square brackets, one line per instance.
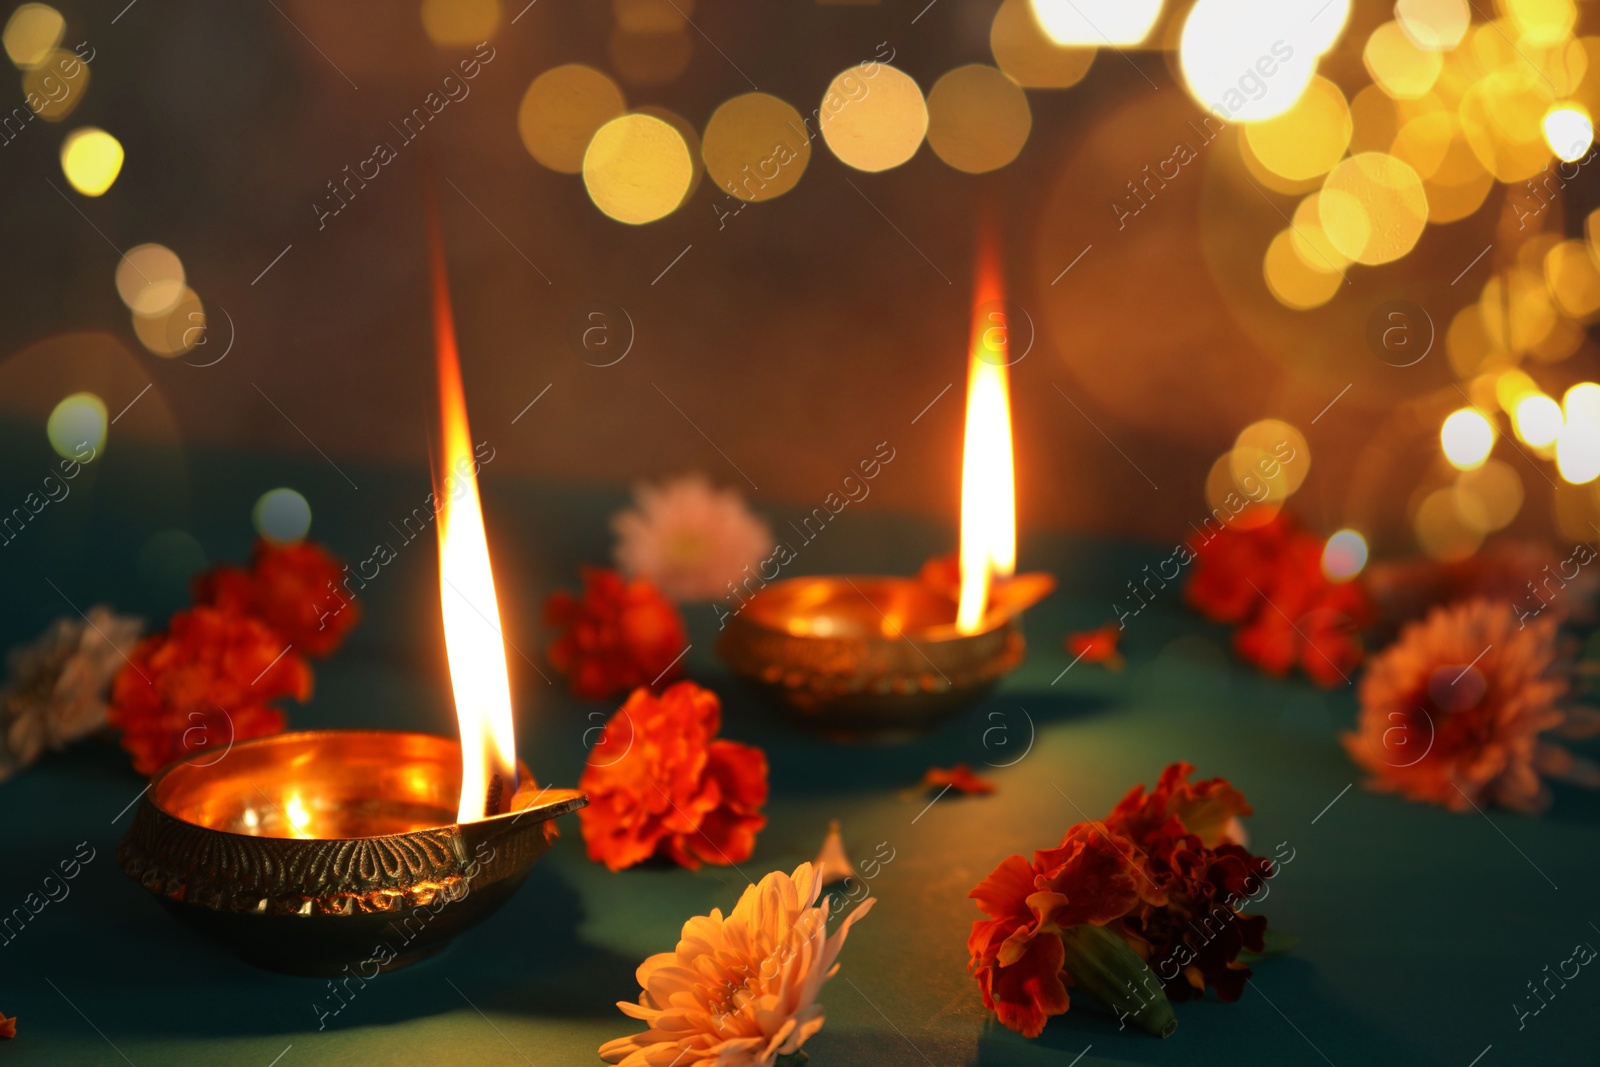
[874, 657]
[330, 851]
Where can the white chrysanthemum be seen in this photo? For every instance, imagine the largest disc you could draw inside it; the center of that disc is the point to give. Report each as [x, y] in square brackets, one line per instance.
[57, 689]
[738, 991]
[689, 538]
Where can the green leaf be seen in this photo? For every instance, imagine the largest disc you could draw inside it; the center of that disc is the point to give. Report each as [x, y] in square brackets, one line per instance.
[794, 1059]
[1274, 943]
[1102, 965]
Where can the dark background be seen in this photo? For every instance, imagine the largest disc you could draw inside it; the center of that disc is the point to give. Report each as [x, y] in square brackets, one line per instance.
[794, 338]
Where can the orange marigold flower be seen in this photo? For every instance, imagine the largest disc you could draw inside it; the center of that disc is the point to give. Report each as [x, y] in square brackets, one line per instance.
[1097, 646]
[661, 784]
[203, 684]
[1453, 712]
[1016, 953]
[8, 1027]
[292, 588]
[960, 778]
[618, 636]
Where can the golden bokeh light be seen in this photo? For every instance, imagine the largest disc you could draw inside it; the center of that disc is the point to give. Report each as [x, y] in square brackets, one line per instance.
[1022, 50]
[175, 330]
[91, 159]
[1273, 454]
[54, 87]
[150, 279]
[1537, 419]
[1541, 23]
[456, 23]
[1233, 504]
[1578, 451]
[1438, 25]
[1373, 208]
[691, 138]
[1502, 117]
[561, 111]
[756, 147]
[1582, 402]
[875, 120]
[1309, 240]
[1568, 131]
[1236, 64]
[638, 168]
[1424, 142]
[1096, 22]
[1344, 556]
[32, 33]
[1574, 278]
[1511, 386]
[1397, 65]
[1520, 316]
[1489, 497]
[76, 425]
[1441, 531]
[1292, 278]
[978, 118]
[1308, 139]
[1467, 437]
[1468, 345]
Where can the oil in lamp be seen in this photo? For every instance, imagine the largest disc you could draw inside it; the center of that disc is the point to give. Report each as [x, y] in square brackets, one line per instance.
[880, 657]
[346, 850]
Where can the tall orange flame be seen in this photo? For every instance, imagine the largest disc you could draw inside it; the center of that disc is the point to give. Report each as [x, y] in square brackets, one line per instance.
[472, 637]
[988, 474]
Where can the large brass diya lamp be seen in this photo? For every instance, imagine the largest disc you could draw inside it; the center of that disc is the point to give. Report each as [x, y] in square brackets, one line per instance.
[312, 852]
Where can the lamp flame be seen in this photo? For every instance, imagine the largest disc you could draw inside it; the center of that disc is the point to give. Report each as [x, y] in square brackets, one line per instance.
[473, 641]
[988, 473]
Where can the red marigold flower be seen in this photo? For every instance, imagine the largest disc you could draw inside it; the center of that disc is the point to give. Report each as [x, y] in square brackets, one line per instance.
[1209, 809]
[1452, 712]
[659, 783]
[960, 777]
[1188, 926]
[620, 635]
[8, 1027]
[1269, 579]
[204, 684]
[1097, 646]
[292, 588]
[1227, 562]
[1016, 954]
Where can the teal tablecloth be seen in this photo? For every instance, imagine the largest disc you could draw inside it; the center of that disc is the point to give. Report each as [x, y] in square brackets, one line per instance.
[1418, 928]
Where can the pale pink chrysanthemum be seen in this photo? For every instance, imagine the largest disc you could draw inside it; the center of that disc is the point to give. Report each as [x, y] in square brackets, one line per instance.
[739, 991]
[689, 538]
[1453, 712]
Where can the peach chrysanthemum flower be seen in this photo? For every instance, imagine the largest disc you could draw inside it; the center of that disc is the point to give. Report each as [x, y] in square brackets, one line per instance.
[689, 538]
[1453, 712]
[739, 991]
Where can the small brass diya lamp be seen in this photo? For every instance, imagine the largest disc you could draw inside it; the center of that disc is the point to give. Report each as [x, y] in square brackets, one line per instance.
[874, 658]
[314, 852]
[332, 851]
[871, 657]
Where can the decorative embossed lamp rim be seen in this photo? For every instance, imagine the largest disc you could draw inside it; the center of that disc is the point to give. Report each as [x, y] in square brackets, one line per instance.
[374, 811]
[868, 656]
